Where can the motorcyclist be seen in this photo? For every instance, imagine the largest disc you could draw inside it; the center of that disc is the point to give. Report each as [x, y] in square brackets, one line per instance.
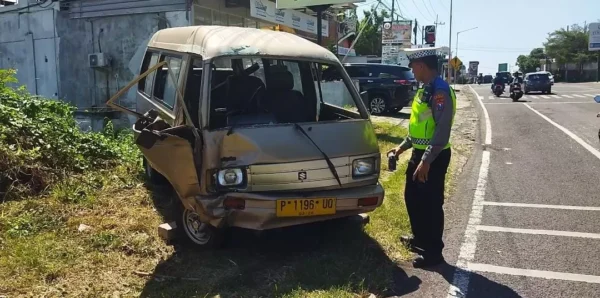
[480, 79]
[516, 79]
[498, 80]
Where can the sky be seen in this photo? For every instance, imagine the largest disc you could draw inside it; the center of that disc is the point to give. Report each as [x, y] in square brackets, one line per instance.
[505, 28]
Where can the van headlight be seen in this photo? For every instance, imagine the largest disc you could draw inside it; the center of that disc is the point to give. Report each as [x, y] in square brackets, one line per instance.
[230, 177]
[363, 167]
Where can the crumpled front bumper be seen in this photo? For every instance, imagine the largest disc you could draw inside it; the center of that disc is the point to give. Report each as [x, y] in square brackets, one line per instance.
[260, 213]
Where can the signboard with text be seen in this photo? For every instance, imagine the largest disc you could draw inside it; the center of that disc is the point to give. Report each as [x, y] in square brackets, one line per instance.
[594, 42]
[502, 67]
[473, 68]
[266, 10]
[398, 32]
[305, 3]
[430, 34]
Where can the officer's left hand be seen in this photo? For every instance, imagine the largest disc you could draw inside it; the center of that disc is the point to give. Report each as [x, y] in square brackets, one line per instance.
[421, 172]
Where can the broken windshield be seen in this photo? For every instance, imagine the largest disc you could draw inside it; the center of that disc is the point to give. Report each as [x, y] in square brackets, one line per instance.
[259, 91]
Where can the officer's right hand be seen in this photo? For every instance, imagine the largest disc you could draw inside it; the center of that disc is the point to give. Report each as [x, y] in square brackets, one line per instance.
[396, 151]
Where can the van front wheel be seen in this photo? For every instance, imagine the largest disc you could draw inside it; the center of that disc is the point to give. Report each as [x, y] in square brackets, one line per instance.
[199, 233]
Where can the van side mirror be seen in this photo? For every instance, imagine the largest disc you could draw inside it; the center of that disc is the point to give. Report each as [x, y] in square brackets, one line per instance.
[365, 97]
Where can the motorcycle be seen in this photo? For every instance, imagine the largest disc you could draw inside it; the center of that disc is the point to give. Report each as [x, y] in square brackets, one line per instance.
[498, 90]
[516, 93]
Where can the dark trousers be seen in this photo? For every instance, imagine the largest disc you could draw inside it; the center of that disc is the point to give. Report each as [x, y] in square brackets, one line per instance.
[424, 202]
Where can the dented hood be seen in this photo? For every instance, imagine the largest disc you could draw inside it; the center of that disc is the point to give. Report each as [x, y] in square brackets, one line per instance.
[285, 143]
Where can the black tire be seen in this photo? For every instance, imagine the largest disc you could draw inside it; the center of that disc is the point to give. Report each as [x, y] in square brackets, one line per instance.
[153, 176]
[193, 232]
[549, 91]
[377, 104]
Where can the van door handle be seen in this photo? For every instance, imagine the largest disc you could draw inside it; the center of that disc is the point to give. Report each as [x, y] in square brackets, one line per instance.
[369, 81]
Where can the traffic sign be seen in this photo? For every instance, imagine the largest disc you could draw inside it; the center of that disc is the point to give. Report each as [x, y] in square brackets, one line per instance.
[594, 44]
[455, 63]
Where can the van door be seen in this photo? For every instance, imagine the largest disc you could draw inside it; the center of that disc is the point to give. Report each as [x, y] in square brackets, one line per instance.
[165, 133]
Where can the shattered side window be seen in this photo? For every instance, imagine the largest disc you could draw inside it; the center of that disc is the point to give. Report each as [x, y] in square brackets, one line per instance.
[334, 89]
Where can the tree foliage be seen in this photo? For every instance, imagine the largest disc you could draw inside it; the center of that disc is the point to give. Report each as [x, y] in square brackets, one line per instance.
[530, 63]
[569, 46]
[369, 42]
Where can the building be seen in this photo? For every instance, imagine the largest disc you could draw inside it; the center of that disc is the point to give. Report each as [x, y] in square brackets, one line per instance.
[84, 51]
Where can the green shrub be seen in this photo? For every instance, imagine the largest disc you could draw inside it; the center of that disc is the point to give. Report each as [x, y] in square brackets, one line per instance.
[40, 142]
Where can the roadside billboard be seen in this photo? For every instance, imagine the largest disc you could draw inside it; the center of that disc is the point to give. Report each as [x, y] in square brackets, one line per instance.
[292, 4]
[398, 32]
[430, 35]
[594, 43]
[394, 54]
[266, 10]
[473, 68]
[502, 67]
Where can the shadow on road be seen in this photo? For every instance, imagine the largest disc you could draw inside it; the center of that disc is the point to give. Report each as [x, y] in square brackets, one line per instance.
[479, 285]
[335, 256]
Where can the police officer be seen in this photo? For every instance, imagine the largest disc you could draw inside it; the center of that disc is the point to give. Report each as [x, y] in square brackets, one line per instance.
[431, 120]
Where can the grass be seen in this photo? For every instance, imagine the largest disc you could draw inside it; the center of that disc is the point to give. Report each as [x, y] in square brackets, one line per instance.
[44, 253]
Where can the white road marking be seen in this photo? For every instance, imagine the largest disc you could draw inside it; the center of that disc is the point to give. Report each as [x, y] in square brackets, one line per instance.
[590, 95]
[568, 132]
[567, 96]
[526, 205]
[491, 97]
[488, 124]
[555, 96]
[579, 95]
[544, 96]
[543, 103]
[534, 273]
[538, 232]
[509, 163]
[460, 283]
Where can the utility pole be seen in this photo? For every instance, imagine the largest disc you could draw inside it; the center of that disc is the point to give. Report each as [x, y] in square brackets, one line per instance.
[415, 30]
[450, 42]
[393, 1]
[436, 25]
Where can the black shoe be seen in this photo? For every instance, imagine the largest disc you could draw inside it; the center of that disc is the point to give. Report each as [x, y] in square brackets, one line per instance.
[422, 262]
[410, 243]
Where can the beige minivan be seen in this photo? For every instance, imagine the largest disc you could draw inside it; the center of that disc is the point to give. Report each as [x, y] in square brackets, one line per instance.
[241, 124]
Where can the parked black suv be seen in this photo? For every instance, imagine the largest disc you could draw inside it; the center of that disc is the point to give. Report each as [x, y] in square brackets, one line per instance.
[389, 87]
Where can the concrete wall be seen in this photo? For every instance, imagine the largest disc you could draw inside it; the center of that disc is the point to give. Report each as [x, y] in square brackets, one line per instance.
[28, 44]
[50, 49]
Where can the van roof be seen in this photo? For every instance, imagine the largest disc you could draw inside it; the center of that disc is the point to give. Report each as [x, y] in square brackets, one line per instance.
[214, 41]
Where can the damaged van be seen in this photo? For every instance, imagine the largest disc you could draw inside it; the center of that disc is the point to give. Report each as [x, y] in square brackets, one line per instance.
[243, 126]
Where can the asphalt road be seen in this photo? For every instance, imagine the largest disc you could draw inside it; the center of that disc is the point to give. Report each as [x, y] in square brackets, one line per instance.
[533, 215]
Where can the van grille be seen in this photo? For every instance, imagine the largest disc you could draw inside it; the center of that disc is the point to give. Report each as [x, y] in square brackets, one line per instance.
[300, 175]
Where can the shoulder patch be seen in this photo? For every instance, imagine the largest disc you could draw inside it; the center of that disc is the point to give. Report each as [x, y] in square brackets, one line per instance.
[440, 99]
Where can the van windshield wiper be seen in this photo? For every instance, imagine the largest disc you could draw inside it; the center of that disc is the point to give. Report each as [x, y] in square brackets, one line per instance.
[329, 163]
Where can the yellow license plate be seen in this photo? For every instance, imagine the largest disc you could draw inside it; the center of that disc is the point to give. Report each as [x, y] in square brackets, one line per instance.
[305, 207]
